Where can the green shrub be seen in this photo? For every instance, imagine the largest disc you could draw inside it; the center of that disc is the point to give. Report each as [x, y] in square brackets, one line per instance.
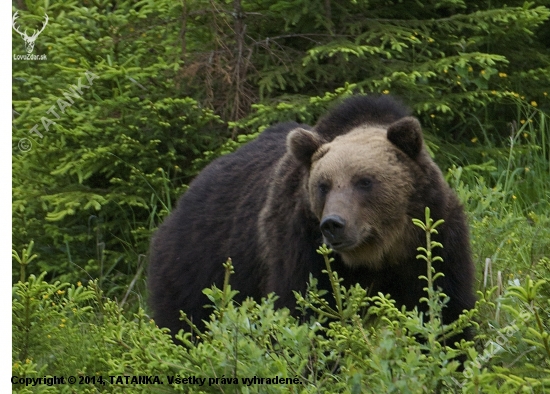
[72, 330]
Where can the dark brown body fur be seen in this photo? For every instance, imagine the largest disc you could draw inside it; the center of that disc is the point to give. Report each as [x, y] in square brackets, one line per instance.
[253, 206]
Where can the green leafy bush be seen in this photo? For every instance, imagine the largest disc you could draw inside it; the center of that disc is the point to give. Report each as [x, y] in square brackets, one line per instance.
[377, 349]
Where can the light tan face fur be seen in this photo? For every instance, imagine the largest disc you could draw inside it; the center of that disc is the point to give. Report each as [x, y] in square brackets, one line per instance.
[358, 177]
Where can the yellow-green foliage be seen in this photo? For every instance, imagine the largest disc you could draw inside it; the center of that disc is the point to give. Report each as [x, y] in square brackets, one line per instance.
[366, 344]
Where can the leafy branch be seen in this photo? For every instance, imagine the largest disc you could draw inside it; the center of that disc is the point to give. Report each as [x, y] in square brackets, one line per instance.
[429, 227]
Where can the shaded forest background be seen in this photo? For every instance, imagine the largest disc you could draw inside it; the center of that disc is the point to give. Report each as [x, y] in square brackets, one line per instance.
[177, 84]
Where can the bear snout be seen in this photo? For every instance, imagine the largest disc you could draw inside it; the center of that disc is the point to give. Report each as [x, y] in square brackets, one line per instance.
[333, 228]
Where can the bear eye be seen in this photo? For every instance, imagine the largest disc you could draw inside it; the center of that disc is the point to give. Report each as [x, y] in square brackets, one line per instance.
[324, 188]
[365, 184]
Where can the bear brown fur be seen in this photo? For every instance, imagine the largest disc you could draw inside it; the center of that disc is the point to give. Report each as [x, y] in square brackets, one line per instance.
[355, 181]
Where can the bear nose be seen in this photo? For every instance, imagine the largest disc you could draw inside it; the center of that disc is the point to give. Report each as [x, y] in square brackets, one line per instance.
[332, 227]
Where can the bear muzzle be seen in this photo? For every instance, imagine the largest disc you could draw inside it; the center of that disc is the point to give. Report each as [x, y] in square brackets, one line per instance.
[333, 228]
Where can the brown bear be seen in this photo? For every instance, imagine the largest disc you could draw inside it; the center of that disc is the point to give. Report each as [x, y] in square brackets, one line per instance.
[355, 181]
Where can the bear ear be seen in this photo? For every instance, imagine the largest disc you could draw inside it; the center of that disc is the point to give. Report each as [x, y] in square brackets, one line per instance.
[406, 134]
[302, 144]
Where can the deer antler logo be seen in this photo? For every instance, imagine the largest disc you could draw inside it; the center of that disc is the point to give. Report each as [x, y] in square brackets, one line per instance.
[29, 40]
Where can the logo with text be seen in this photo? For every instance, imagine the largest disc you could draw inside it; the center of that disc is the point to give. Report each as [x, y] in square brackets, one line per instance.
[29, 40]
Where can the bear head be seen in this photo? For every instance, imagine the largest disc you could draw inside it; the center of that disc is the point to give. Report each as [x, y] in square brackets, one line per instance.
[360, 186]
